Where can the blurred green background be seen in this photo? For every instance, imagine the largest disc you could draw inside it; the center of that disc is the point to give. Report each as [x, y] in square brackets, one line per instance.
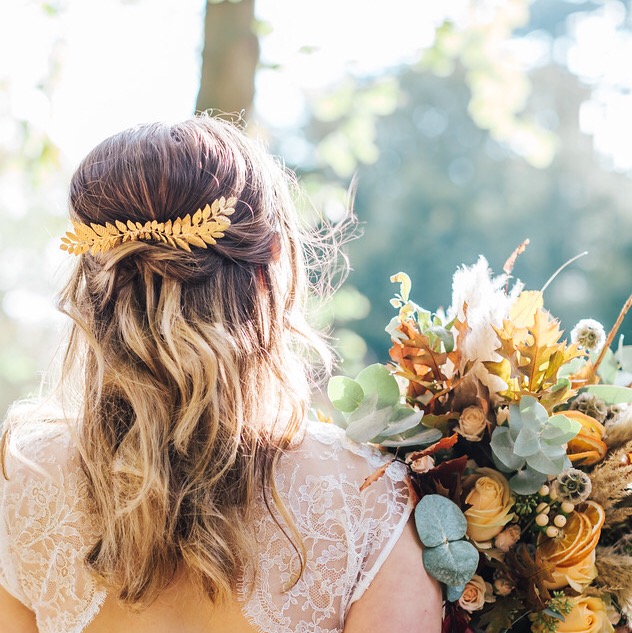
[468, 125]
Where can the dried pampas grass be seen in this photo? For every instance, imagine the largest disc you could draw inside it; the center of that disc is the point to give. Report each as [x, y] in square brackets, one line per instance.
[612, 486]
[615, 574]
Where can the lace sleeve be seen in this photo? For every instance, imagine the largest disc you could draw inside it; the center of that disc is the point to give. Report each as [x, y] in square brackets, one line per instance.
[386, 507]
[44, 530]
[347, 534]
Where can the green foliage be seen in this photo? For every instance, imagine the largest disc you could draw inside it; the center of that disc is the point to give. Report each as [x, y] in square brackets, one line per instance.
[547, 621]
[610, 394]
[453, 563]
[378, 379]
[345, 394]
[532, 444]
[447, 557]
[449, 522]
[372, 410]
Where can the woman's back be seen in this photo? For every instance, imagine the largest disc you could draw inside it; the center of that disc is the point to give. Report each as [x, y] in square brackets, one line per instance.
[188, 488]
[347, 535]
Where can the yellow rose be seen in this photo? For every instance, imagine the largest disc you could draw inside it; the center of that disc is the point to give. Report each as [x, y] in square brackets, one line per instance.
[589, 615]
[491, 502]
[578, 576]
[472, 424]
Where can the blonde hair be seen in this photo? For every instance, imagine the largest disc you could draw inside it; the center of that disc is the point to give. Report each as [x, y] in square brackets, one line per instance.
[193, 368]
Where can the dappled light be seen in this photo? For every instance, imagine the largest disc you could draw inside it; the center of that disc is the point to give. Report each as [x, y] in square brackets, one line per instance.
[468, 126]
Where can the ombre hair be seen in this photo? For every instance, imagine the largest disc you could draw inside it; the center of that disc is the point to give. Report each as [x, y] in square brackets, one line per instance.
[192, 368]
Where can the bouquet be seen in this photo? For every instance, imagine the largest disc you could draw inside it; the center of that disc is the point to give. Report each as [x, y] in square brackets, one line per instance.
[519, 447]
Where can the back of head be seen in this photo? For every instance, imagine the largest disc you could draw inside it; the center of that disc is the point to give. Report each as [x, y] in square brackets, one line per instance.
[192, 378]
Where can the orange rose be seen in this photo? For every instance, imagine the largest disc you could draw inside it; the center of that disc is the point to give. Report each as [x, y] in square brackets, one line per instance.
[491, 502]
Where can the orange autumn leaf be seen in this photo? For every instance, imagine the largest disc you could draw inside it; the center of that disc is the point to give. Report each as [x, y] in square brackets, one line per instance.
[373, 477]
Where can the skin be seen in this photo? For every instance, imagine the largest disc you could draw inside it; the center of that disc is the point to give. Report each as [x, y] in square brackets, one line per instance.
[400, 597]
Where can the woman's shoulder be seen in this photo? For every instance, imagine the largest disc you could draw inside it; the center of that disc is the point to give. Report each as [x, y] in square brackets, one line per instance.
[39, 439]
[326, 447]
[46, 517]
[348, 522]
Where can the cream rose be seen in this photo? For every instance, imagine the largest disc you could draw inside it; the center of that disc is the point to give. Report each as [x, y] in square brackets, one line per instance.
[589, 615]
[491, 502]
[476, 593]
[507, 538]
[577, 576]
[422, 464]
[472, 424]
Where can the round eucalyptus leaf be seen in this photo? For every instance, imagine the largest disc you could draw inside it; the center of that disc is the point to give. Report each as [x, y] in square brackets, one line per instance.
[439, 520]
[378, 379]
[451, 563]
[452, 593]
[345, 393]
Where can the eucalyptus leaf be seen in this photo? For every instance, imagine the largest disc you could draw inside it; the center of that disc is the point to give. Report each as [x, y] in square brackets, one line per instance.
[527, 443]
[515, 420]
[439, 520]
[451, 563]
[531, 411]
[379, 380]
[548, 465]
[366, 422]
[573, 366]
[561, 384]
[560, 429]
[527, 481]
[345, 393]
[608, 368]
[453, 593]
[502, 446]
[610, 394]
[403, 424]
[443, 335]
[427, 436]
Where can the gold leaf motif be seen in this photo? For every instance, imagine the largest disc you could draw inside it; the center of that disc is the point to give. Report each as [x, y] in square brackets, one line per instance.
[206, 226]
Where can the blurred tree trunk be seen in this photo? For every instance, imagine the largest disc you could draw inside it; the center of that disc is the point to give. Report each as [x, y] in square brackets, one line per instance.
[229, 58]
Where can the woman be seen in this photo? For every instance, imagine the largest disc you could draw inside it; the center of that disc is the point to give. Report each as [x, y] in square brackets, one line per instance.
[178, 485]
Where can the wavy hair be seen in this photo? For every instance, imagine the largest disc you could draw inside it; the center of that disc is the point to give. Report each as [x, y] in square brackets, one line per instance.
[193, 366]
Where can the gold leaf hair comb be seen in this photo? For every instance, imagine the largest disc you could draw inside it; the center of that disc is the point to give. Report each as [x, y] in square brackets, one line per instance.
[205, 227]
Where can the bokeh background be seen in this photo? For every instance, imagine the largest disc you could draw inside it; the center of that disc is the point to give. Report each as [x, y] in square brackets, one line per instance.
[468, 126]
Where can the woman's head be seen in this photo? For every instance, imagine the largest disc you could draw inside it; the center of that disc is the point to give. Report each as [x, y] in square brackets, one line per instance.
[192, 373]
[162, 172]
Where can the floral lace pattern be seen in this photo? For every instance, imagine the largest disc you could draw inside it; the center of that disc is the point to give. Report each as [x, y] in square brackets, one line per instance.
[45, 532]
[346, 534]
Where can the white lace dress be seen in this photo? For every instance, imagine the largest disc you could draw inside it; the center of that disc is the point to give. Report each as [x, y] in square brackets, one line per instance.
[46, 530]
